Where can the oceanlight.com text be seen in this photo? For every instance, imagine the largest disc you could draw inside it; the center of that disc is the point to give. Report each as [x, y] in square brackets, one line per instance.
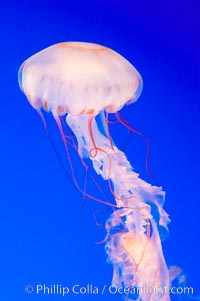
[90, 289]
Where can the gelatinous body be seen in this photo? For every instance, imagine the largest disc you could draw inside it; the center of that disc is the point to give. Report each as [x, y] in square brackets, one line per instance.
[83, 80]
[79, 78]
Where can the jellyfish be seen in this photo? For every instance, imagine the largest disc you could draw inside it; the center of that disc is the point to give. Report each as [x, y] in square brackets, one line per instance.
[84, 83]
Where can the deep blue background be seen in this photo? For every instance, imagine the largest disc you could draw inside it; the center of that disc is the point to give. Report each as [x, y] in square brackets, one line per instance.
[41, 237]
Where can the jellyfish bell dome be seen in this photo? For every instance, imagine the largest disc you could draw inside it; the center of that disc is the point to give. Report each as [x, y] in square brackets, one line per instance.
[79, 78]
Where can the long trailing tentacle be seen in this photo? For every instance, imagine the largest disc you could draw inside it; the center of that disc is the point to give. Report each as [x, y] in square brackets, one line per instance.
[131, 128]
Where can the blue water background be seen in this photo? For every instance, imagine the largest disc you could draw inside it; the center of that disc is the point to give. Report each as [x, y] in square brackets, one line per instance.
[42, 241]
